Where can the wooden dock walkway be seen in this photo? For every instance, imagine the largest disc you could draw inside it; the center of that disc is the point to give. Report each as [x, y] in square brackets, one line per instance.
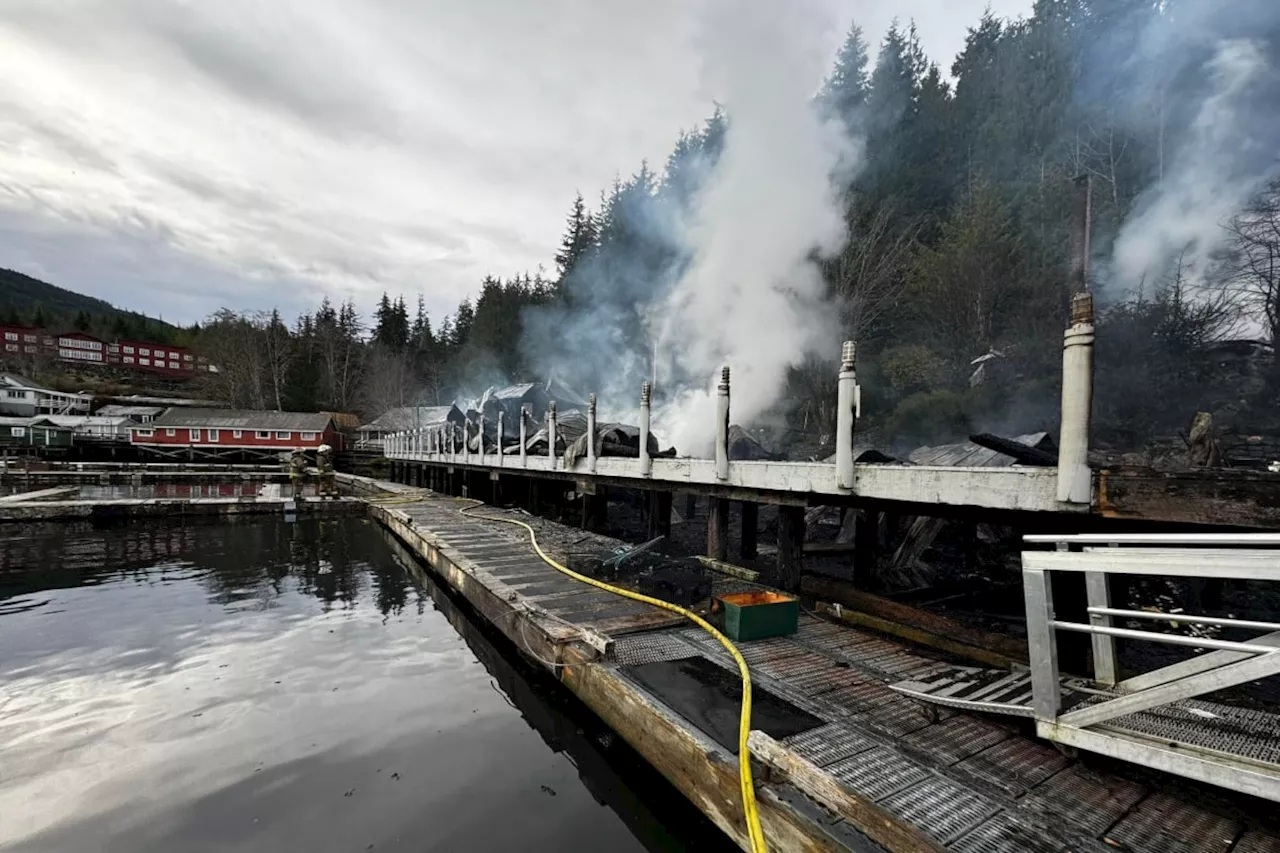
[866, 767]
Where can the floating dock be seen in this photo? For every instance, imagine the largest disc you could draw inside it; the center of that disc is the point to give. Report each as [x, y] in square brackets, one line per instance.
[845, 761]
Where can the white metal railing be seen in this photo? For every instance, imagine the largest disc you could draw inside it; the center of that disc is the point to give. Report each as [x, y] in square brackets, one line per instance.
[1230, 663]
[1013, 488]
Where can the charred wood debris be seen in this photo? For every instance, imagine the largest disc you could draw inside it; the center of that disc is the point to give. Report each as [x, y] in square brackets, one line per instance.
[911, 556]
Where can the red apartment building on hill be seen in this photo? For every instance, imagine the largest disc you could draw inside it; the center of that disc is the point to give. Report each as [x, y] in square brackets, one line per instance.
[83, 348]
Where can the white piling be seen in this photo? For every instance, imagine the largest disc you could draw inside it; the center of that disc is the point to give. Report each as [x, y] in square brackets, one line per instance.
[646, 461]
[480, 437]
[551, 433]
[848, 406]
[466, 441]
[722, 425]
[524, 436]
[501, 419]
[591, 433]
[1075, 482]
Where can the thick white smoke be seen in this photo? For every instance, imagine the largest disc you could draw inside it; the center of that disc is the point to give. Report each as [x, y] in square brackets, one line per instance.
[1211, 176]
[752, 296]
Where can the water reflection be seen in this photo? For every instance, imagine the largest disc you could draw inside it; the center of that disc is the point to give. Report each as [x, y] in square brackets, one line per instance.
[259, 685]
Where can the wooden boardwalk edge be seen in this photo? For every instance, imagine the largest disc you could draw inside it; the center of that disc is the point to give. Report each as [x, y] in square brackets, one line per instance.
[707, 776]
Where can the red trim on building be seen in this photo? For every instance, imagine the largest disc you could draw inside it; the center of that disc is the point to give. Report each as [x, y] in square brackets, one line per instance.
[249, 439]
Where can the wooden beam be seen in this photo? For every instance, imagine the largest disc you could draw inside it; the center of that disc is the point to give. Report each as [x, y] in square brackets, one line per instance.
[914, 624]
[40, 494]
[729, 569]
[878, 824]
[1202, 496]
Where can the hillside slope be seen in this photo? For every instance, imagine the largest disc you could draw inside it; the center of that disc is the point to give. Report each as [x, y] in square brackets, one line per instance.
[26, 300]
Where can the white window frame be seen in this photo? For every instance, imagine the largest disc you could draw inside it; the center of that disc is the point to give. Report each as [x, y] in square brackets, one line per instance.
[308, 436]
[145, 433]
[193, 434]
[213, 435]
[18, 432]
[235, 433]
[128, 350]
[170, 432]
[262, 434]
[284, 435]
[10, 336]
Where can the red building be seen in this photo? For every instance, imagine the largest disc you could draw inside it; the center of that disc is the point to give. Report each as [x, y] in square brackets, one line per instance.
[83, 348]
[230, 432]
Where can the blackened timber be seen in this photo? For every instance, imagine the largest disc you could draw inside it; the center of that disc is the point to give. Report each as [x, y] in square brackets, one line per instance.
[1024, 454]
[747, 545]
[791, 530]
[659, 514]
[1203, 496]
[718, 529]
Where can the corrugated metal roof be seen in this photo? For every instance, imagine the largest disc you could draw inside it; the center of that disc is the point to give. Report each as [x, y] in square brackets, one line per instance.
[966, 454]
[513, 392]
[13, 380]
[38, 420]
[241, 419]
[394, 420]
[73, 421]
[117, 411]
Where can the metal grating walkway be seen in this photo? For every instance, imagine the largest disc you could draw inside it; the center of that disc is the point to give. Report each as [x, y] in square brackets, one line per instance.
[1238, 732]
[972, 782]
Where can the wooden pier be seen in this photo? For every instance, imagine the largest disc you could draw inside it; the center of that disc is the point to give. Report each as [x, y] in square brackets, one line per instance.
[846, 763]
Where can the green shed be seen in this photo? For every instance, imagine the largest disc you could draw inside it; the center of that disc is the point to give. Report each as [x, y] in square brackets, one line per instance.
[33, 432]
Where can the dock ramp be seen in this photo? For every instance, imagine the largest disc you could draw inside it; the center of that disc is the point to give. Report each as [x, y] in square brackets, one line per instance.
[1157, 719]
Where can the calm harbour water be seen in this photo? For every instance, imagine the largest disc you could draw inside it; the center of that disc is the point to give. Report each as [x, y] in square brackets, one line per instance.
[273, 686]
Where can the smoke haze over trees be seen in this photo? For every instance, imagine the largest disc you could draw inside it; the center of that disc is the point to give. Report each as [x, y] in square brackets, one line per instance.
[951, 197]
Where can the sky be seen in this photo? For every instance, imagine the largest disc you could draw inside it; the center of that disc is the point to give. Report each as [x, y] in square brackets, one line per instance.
[177, 156]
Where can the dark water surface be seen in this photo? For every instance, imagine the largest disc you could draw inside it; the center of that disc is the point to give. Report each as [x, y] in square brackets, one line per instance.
[267, 686]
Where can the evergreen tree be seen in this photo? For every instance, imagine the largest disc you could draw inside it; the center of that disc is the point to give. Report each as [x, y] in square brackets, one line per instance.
[844, 94]
[579, 239]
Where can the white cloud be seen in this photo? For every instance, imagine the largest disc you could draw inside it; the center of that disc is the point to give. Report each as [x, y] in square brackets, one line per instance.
[178, 156]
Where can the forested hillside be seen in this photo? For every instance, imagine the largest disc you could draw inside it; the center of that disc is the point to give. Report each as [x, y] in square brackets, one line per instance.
[31, 302]
[958, 229]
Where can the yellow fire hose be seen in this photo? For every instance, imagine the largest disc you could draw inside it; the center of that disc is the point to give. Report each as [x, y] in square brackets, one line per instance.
[754, 833]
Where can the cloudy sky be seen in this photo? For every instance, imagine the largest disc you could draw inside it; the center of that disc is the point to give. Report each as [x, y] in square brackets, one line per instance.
[176, 156]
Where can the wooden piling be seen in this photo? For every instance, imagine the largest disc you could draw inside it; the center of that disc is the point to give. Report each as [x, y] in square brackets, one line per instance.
[791, 529]
[718, 529]
[659, 514]
[747, 545]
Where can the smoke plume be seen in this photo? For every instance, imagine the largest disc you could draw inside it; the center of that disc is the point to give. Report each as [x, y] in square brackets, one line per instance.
[752, 296]
[1218, 71]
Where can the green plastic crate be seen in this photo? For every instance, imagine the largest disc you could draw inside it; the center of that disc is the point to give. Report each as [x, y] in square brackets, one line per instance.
[756, 615]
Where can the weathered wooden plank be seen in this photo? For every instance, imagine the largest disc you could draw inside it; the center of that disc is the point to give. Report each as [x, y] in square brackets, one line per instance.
[695, 766]
[879, 825]
[542, 641]
[40, 494]
[1202, 496]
